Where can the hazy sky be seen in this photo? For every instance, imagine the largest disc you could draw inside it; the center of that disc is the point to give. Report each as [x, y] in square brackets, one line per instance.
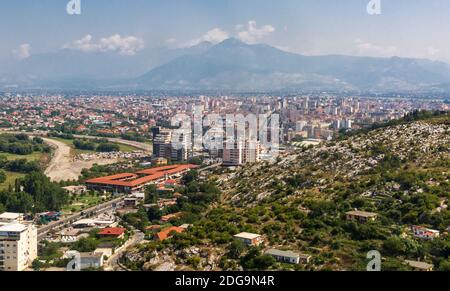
[410, 28]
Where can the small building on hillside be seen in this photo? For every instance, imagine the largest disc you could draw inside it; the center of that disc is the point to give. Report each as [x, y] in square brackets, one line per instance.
[140, 196]
[170, 217]
[289, 256]
[167, 233]
[91, 260]
[72, 235]
[130, 202]
[250, 239]
[361, 216]
[420, 266]
[114, 232]
[424, 233]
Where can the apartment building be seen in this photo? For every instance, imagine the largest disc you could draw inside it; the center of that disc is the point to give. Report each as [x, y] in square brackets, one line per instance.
[181, 147]
[238, 153]
[18, 246]
[162, 144]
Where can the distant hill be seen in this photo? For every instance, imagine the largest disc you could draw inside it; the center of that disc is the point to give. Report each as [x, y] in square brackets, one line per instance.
[68, 68]
[229, 65]
[233, 64]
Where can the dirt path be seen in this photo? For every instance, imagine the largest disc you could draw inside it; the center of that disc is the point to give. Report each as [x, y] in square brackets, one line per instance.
[62, 167]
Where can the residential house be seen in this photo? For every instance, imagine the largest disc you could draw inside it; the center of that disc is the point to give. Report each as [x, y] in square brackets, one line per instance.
[115, 232]
[420, 266]
[289, 256]
[249, 239]
[424, 233]
[91, 260]
[167, 233]
[361, 216]
[169, 217]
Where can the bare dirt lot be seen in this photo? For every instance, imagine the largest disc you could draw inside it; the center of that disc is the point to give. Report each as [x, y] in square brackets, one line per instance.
[62, 166]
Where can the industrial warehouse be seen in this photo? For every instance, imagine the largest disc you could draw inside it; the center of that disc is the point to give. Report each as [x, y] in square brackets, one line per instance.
[130, 182]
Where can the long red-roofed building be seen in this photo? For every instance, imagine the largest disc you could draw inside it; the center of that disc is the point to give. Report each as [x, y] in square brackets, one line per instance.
[129, 182]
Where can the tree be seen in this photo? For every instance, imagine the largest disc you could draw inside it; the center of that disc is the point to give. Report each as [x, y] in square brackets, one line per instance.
[37, 265]
[108, 147]
[2, 176]
[154, 213]
[190, 176]
[394, 246]
[263, 262]
[235, 249]
[85, 245]
[20, 202]
[46, 195]
[444, 266]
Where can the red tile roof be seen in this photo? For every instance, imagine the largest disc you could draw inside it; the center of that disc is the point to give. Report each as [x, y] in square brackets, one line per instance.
[169, 217]
[133, 180]
[113, 231]
[165, 234]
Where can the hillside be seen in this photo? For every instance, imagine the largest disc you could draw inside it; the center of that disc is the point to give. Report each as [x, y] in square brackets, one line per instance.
[401, 172]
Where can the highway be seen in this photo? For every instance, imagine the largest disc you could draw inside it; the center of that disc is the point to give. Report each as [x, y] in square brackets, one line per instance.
[214, 166]
[113, 264]
[57, 225]
[139, 145]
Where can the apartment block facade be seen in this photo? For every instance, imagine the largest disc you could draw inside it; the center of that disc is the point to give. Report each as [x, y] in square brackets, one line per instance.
[18, 246]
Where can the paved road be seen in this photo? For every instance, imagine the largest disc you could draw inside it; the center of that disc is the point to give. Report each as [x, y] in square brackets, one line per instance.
[218, 165]
[56, 225]
[139, 145]
[112, 263]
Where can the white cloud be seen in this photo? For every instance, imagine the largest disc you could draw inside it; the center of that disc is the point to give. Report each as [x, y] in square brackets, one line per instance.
[215, 35]
[433, 52]
[252, 33]
[128, 45]
[370, 49]
[171, 40]
[22, 52]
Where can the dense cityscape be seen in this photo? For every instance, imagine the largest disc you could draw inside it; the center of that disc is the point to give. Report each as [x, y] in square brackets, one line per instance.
[124, 183]
[231, 143]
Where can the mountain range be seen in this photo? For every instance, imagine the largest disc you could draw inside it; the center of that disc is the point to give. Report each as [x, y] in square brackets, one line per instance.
[229, 65]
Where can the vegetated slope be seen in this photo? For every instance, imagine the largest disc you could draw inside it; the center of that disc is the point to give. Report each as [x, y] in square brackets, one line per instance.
[401, 172]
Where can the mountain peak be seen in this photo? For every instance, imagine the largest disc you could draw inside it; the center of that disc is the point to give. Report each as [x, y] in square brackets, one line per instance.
[232, 42]
[203, 44]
